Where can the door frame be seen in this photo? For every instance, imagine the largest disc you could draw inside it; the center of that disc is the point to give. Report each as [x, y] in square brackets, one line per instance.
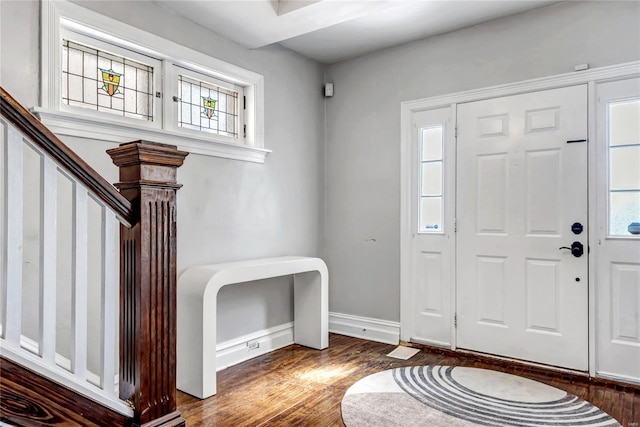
[408, 108]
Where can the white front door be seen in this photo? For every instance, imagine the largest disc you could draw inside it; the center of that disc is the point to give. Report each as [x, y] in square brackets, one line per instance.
[521, 187]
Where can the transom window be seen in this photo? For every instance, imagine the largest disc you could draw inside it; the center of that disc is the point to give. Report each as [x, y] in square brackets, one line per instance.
[106, 80]
[101, 81]
[207, 107]
[624, 167]
[431, 179]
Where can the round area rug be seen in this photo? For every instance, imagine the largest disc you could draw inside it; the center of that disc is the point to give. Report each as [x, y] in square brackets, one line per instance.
[439, 396]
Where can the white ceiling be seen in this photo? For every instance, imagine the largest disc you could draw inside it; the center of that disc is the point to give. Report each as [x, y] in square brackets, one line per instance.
[330, 31]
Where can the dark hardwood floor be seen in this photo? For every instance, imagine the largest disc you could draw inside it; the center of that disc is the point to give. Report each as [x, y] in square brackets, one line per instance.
[293, 386]
[297, 386]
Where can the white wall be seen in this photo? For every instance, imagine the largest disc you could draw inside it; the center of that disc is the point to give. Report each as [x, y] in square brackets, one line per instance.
[227, 210]
[363, 124]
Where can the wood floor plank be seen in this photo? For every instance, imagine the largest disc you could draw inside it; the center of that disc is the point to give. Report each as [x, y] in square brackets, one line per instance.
[631, 410]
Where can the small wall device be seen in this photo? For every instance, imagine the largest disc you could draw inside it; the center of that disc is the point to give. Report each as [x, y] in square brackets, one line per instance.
[328, 90]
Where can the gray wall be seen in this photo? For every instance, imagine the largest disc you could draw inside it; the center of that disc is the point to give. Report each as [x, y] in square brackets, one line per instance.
[227, 210]
[230, 210]
[362, 222]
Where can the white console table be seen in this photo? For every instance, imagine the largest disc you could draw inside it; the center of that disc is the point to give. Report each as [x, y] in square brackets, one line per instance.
[197, 302]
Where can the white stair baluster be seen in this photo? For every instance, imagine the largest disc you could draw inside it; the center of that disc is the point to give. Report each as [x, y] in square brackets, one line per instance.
[14, 215]
[48, 259]
[4, 128]
[79, 292]
[109, 294]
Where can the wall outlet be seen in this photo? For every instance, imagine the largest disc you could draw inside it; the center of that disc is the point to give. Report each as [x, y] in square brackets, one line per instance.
[253, 345]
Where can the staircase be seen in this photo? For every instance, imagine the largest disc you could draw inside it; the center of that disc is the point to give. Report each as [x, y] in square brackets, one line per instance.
[88, 280]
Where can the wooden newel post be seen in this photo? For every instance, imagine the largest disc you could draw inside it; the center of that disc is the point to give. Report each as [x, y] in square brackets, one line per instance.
[148, 281]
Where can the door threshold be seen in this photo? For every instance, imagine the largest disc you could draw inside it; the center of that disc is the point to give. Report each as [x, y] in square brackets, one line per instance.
[510, 364]
[535, 365]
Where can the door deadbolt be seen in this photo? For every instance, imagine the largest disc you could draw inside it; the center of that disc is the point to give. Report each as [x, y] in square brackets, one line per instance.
[577, 249]
[577, 228]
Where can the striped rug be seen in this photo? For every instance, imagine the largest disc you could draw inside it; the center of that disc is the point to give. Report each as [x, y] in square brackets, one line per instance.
[439, 396]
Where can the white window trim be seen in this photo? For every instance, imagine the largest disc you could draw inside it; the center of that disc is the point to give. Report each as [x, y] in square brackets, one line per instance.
[56, 13]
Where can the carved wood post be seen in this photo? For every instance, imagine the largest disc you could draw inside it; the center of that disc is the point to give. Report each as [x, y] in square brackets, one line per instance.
[148, 281]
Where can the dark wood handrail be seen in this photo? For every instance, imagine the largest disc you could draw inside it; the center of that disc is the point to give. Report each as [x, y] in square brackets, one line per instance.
[65, 157]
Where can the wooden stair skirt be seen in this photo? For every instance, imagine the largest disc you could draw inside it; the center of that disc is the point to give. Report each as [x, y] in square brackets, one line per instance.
[28, 399]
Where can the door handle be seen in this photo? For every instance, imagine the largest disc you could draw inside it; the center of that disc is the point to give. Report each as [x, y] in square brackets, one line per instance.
[577, 249]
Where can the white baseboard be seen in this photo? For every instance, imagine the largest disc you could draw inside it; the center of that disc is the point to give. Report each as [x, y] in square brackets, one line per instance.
[248, 346]
[365, 327]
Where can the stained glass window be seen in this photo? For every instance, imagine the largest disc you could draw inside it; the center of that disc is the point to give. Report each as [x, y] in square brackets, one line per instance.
[102, 81]
[207, 107]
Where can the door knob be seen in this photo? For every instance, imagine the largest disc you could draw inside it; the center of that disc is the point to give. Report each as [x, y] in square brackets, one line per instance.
[577, 249]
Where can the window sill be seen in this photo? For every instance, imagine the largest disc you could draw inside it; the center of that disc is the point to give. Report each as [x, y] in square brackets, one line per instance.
[67, 124]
